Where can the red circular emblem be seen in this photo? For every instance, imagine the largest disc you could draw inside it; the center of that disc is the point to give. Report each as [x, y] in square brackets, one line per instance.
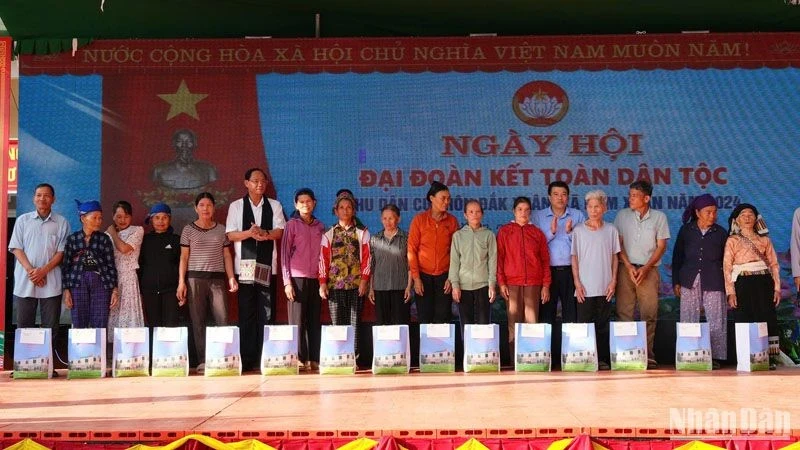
[540, 103]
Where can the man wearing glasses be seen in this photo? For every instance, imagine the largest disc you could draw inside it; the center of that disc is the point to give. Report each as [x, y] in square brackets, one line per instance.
[254, 223]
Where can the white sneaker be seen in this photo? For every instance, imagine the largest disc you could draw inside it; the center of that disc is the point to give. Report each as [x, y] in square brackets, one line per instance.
[201, 369]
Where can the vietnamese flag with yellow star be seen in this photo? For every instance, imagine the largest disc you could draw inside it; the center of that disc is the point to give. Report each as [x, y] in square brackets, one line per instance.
[144, 116]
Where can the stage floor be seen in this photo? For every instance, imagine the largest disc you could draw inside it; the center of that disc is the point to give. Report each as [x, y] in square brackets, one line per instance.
[425, 405]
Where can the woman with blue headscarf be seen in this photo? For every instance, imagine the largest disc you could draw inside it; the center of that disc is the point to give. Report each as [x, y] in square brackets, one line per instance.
[697, 272]
[89, 273]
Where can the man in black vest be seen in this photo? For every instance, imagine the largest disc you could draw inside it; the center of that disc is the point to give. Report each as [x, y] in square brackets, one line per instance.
[254, 223]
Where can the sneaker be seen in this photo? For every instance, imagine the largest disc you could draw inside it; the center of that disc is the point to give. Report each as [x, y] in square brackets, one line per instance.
[652, 364]
[716, 364]
[602, 365]
[302, 367]
[201, 369]
[773, 362]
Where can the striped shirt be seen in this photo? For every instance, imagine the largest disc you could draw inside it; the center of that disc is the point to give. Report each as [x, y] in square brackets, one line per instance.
[205, 249]
[389, 261]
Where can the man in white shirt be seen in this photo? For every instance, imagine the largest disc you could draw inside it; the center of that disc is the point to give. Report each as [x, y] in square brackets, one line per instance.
[254, 224]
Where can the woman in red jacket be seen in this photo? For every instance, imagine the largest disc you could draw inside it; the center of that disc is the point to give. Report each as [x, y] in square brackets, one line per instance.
[523, 267]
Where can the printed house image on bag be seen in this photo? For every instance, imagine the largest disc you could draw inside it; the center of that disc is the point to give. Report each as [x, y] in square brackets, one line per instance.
[133, 364]
[539, 360]
[759, 359]
[86, 363]
[632, 356]
[580, 357]
[391, 361]
[172, 362]
[284, 361]
[33, 365]
[694, 356]
[224, 363]
[340, 360]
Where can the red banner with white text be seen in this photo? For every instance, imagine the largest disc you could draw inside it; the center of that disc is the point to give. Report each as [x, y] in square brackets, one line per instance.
[461, 54]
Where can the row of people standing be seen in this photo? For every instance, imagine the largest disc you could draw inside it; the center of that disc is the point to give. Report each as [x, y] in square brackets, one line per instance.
[535, 266]
[93, 272]
[591, 261]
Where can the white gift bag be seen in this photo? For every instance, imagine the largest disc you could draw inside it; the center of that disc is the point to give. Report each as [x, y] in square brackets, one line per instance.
[223, 355]
[170, 352]
[693, 346]
[337, 352]
[390, 350]
[533, 342]
[578, 348]
[752, 347]
[86, 351]
[279, 352]
[437, 348]
[628, 345]
[481, 348]
[131, 352]
[33, 353]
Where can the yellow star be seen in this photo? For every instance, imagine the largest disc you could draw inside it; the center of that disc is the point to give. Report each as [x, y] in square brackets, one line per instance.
[182, 102]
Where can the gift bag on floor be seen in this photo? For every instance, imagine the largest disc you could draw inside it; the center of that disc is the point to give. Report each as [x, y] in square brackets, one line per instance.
[390, 349]
[131, 352]
[437, 348]
[692, 346]
[532, 347]
[223, 354]
[752, 347]
[481, 348]
[578, 348]
[337, 353]
[279, 352]
[86, 351]
[33, 353]
[628, 345]
[170, 352]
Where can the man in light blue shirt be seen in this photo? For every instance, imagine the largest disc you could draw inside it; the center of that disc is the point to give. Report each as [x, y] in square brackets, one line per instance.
[38, 242]
[557, 222]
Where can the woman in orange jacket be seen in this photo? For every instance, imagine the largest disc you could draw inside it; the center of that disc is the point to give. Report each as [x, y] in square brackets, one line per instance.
[429, 238]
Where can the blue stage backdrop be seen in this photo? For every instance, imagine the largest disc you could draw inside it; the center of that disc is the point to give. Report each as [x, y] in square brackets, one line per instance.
[730, 132]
